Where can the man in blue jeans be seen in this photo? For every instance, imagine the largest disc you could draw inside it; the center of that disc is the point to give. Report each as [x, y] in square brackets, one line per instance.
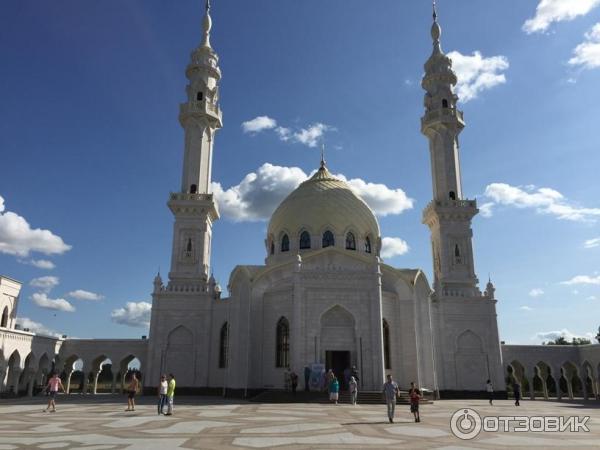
[390, 392]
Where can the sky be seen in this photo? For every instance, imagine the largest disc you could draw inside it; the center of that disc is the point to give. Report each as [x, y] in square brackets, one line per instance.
[91, 146]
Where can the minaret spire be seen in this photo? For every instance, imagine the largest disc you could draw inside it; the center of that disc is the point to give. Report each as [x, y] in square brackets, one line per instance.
[323, 162]
[206, 25]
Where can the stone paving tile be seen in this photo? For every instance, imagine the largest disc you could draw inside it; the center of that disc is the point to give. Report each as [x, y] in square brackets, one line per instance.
[99, 423]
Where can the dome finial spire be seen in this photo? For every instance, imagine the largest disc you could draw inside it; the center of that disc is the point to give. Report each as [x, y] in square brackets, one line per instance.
[323, 156]
[434, 12]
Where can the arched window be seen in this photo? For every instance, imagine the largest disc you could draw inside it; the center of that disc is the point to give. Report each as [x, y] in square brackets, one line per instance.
[4, 321]
[282, 350]
[304, 240]
[285, 243]
[387, 362]
[199, 96]
[444, 103]
[452, 195]
[456, 251]
[193, 189]
[224, 346]
[272, 249]
[350, 242]
[367, 245]
[328, 240]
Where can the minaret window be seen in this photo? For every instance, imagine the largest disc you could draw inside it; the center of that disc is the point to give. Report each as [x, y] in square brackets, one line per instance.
[350, 242]
[199, 96]
[224, 346]
[188, 248]
[367, 245]
[282, 350]
[328, 240]
[444, 103]
[304, 240]
[387, 362]
[457, 258]
[452, 195]
[4, 321]
[285, 243]
[193, 189]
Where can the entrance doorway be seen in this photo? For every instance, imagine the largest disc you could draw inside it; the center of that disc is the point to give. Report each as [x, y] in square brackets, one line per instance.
[338, 361]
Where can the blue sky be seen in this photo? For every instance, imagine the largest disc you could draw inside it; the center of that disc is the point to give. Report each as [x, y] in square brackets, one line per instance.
[91, 145]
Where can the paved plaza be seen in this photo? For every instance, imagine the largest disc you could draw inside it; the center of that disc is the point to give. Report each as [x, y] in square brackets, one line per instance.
[100, 422]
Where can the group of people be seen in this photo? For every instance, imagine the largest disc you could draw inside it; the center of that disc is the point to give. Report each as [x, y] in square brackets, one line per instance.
[391, 392]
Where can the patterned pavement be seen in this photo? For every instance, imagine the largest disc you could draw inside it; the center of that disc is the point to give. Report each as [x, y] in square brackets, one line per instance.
[100, 422]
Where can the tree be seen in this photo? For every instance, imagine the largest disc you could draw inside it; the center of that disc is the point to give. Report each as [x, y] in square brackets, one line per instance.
[561, 340]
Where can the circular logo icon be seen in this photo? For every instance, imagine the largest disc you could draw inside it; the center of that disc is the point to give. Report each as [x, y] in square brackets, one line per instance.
[465, 423]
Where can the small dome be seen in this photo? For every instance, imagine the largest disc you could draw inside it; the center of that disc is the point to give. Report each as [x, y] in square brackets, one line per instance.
[323, 203]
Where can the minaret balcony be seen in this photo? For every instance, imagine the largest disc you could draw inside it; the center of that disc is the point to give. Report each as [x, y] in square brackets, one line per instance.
[197, 204]
[450, 210]
[201, 108]
[443, 116]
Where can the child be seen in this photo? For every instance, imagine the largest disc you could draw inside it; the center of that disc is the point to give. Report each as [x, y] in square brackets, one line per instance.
[415, 396]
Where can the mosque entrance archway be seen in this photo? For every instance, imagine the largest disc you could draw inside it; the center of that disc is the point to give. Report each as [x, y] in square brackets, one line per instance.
[338, 361]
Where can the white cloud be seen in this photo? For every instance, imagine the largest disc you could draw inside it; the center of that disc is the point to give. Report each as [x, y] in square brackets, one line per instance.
[80, 294]
[42, 264]
[393, 246]
[477, 74]
[526, 308]
[17, 237]
[543, 200]
[592, 243]
[536, 292]
[259, 124]
[549, 11]
[592, 298]
[486, 209]
[36, 327]
[553, 335]
[43, 301]
[134, 314]
[587, 54]
[44, 283]
[309, 136]
[582, 279]
[259, 193]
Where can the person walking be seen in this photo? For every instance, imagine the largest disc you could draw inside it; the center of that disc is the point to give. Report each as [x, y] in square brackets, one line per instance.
[170, 394]
[415, 395]
[306, 378]
[390, 392]
[162, 393]
[294, 381]
[490, 391]
[517, 390]
[132, 389]
[334, 390]
[353, 388]
[54, 384]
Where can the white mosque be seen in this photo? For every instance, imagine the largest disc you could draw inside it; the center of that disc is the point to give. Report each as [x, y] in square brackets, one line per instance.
[323, 298]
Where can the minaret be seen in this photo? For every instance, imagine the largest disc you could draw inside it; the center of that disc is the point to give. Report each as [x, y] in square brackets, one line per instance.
[194, 207]
[449, 215]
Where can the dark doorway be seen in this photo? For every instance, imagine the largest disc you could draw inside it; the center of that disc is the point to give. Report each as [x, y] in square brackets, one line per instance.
[338, 361]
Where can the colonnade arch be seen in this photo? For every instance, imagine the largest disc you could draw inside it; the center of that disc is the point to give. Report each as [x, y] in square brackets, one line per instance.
[554, 381]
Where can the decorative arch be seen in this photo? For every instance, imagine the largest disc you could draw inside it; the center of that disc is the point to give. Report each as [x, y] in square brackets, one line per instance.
[328, 239]
[285, 243]
[4, 320]
[468, 340]
[368, 245]
[350, 241]
[224, 346]
[470, 361]
[282, 350]
[387, 361]
[337, 316]
[304, 240]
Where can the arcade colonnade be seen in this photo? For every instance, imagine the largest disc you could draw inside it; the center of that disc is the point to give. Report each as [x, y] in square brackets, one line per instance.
[26, 360]
[553, 372]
